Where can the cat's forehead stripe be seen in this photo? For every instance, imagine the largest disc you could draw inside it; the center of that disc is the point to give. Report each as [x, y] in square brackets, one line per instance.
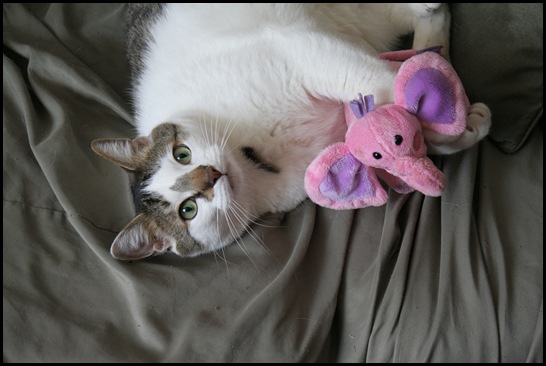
[164, 138]
[166, 132]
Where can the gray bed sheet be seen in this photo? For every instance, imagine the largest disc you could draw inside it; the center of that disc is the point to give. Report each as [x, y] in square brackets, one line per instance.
[456, 278]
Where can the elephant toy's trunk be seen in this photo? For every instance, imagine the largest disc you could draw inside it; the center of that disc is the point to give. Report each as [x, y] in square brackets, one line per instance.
[421, 174]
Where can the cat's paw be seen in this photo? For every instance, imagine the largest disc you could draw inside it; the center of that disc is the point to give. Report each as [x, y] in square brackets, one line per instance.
[478, 123]
[424, 9]
[479, 120]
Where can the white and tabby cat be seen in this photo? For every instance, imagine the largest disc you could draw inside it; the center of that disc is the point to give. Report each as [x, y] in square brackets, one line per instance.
[233, 101]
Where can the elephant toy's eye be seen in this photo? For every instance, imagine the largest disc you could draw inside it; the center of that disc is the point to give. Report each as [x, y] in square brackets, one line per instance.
[398, 139]
[377, 155]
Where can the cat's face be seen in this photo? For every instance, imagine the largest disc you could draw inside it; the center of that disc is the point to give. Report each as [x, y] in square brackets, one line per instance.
[189, 191]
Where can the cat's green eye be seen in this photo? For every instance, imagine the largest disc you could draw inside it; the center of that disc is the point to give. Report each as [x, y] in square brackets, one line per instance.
[188, 209]
[182, 154]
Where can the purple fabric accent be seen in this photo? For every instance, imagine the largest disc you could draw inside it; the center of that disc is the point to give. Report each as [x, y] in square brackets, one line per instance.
[429, 96]
[436, 49]
[357, 106]
[361, 106]
[368, 100]
[347, 180]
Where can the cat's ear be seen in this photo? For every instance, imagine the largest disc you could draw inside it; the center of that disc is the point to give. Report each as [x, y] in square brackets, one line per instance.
[141, 238]
[127, 153]
[338, 180]
[428, 87]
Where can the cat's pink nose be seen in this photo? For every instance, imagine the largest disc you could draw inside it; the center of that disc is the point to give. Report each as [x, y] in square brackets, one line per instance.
[213, 175]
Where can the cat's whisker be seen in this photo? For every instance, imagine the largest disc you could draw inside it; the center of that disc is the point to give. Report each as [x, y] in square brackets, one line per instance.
[219, 236]
[216, 133]
[201, 125]
[216, 255]
[249, 230]
[237, 238]
[207, 126]
[234, 147]
[228, 130]
[253, 218]
[203, 128]
[211, 131]
[222, 257]
[208, 130]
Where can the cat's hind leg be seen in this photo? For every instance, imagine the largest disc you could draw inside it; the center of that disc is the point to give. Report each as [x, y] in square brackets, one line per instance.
[431, 26]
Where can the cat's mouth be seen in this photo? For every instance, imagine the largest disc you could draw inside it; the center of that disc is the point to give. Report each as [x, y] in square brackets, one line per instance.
[230, 173]
[230, 183]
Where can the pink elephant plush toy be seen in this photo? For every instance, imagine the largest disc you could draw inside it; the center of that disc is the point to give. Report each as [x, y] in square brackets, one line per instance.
[387, 141]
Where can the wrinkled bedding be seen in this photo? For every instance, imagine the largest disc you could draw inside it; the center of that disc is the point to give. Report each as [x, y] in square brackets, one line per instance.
[457, 278]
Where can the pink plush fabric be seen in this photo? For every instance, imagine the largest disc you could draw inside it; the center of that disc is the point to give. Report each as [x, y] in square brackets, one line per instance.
[428, 86]
[396, 135]
[388, 140]
[339, 181]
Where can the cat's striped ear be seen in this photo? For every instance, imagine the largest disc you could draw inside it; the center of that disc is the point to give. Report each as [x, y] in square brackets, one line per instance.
[336, 179]
[141, 238]
[127, 153]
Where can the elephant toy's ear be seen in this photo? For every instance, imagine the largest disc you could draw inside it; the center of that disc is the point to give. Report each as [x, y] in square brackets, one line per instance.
[336, 179]
[428, 87]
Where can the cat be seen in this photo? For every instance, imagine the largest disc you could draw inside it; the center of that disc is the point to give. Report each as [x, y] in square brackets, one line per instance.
[233, 101]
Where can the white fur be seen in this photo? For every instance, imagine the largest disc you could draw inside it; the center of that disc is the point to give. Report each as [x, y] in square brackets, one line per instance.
[269, 76]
